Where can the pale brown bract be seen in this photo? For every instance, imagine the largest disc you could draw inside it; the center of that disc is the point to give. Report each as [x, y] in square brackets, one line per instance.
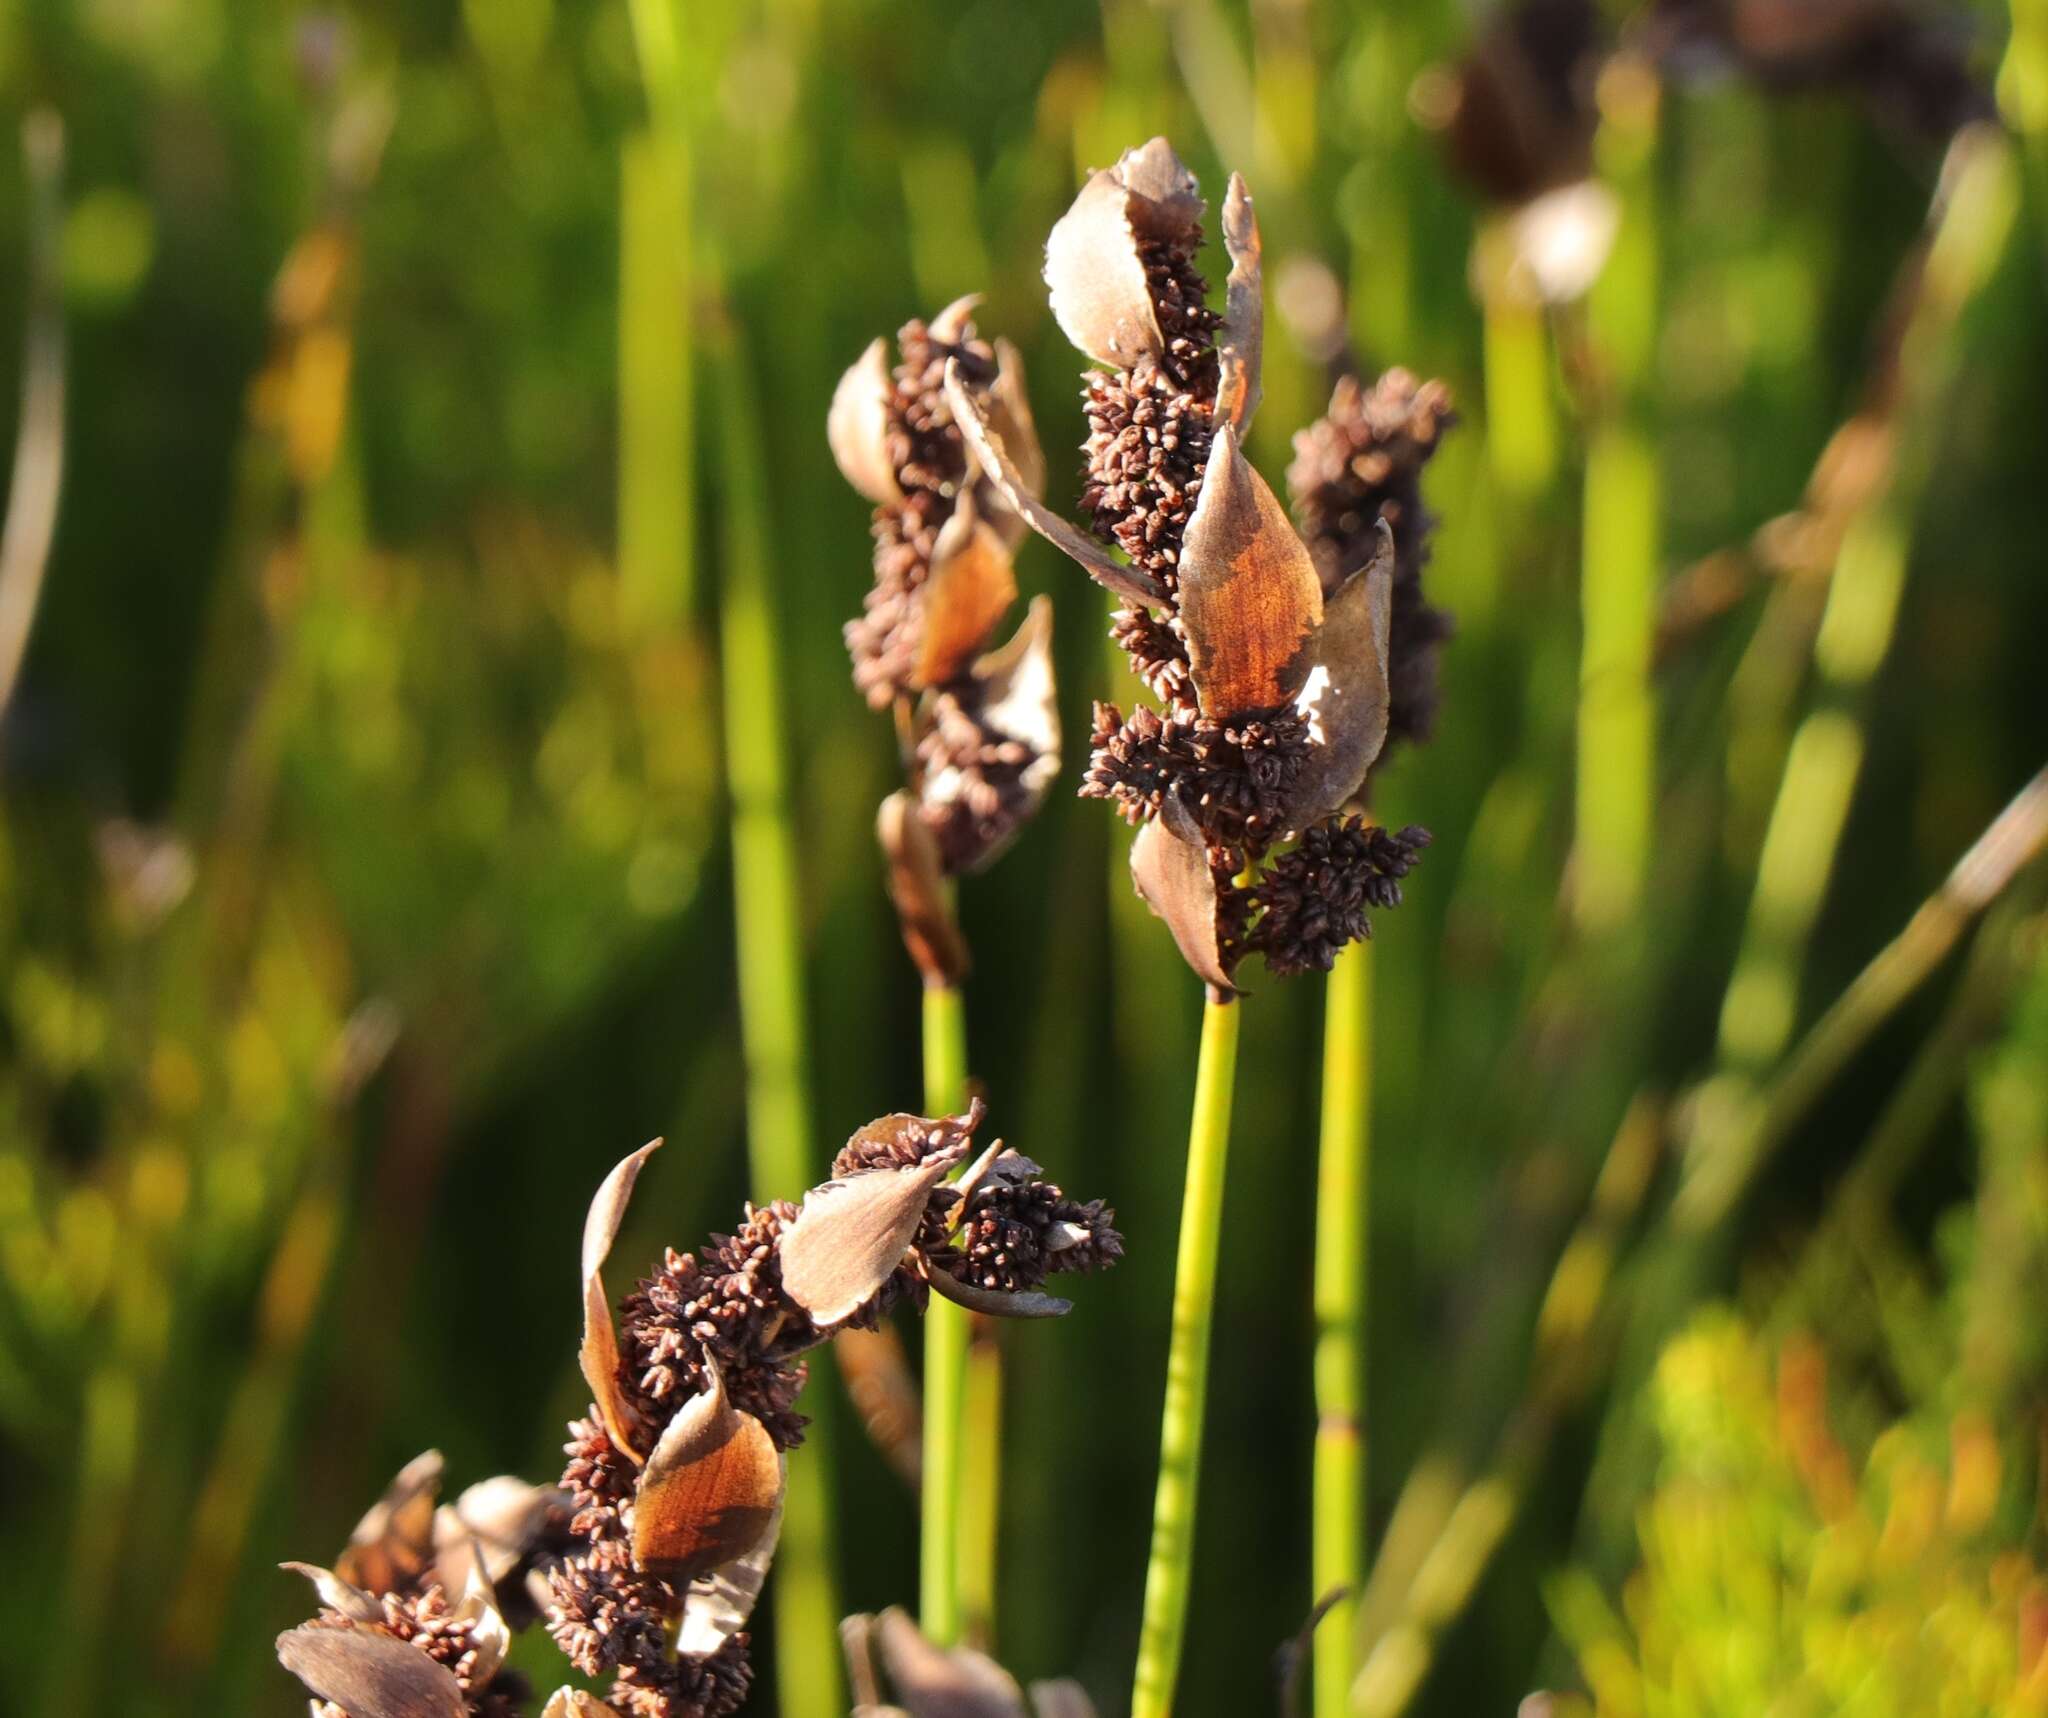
[894, 1670]
[712, 1484]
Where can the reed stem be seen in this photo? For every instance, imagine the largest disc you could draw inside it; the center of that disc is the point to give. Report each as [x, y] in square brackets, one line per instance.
[946, 1333]
[1343, 1243]
[981, 1492]
[1617, 743]
[772, 1003]
[1167, 1575]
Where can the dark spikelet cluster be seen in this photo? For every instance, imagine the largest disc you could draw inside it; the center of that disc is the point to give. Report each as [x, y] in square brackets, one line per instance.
[1015, 1234]
[1158, 653]
[724, 1305]
[976, 795]
[1180, 304]
[1361, 462]
[924, 447]
[1148, 445]
[1313, 900]
[712, 1685]
[602, 1613]
[909, 1142]
[1232, 777]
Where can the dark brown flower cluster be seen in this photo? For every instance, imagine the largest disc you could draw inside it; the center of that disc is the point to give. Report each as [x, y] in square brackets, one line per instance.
[1358, 464]
[979, 727]
[1314, 899]
[676, 1472]
[1270, 656]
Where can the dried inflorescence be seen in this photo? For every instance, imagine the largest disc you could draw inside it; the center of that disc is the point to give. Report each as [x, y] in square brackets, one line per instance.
[1314, 899]
[677, 1471]
[980, 728]
[1270, 661]
[413, 1615]
[1358, 464]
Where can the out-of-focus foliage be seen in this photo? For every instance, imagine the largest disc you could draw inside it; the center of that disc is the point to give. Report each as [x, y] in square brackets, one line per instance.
[364, 888]
[1849, 1519]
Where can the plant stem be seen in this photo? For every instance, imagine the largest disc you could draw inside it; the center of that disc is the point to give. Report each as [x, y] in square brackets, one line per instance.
[772, 1006]
[1168, 1573]
[1617, 747]
[981, 1485]
[1343, 1242]
[946, 1334]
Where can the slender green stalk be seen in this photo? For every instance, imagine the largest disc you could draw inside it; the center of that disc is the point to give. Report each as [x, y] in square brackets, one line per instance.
[946, 1331]
[657, 458]
[1164, 1627]
[1521, 423]
[772, 1004]
[1617, 746]
[981, 1491]
[1343, 1243]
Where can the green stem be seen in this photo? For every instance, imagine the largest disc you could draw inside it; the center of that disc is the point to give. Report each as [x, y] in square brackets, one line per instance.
[1168, 1573]
[981, 1484]
[946, 1332]
[1343, 1242]
[772, 1005]
[1617, 756]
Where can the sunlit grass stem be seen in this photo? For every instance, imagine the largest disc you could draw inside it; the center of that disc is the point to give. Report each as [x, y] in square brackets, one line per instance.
[1620, 573]
[1163, 1630]
[946, 1334]
[780, 1137]
[1343, 1242]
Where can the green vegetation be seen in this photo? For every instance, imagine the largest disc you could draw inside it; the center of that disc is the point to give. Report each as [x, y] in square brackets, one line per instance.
[433, 772]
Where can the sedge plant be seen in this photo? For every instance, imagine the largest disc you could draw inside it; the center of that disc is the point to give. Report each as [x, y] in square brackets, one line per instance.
[980, 740]
[1271, 673]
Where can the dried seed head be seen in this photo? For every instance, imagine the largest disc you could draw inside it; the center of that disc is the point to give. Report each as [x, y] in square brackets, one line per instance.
[1362, 463]
[666, 1560]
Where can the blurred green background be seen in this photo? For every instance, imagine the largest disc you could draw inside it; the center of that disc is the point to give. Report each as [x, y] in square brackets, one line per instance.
[442, 420]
